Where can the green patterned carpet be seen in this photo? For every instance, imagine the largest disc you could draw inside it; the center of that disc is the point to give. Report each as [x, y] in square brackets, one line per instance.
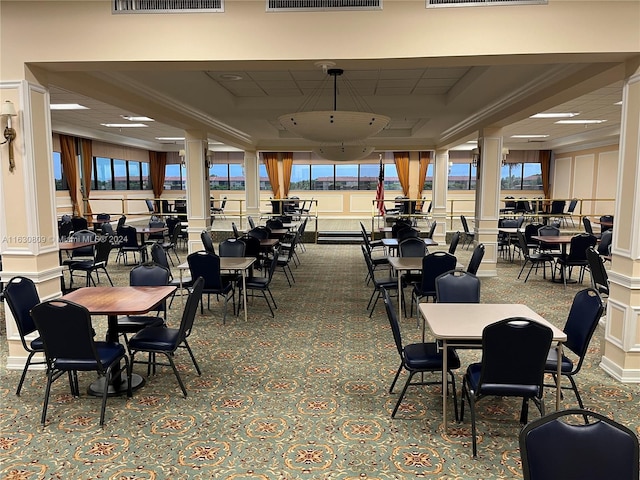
[301, 396]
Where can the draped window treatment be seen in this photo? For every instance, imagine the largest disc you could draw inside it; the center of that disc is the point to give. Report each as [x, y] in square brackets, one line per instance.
[157, 170]
[287, 164]
[271, 162]
[425, 159]
[87, 164]
[545, 167]
[70, 169]
[402, 166]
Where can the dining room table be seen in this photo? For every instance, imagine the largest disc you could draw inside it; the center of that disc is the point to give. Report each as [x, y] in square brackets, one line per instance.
[228, 264]
[114, 302]
[461, 324]
[392, 243]
[563, 241]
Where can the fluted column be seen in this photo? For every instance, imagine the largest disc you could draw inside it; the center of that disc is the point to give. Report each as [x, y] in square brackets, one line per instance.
[439, 206]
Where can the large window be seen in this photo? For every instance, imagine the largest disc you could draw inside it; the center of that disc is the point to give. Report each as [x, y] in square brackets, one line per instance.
[341, 176]
[460, 176]
[58, 174]
[175, 177]
[428, 180]
[521, 176]
[322, 177]
[219, 176]
[264, 178]
[103, 175]
[300, 177]
[346, 177]
[116, 174]
[236, 176]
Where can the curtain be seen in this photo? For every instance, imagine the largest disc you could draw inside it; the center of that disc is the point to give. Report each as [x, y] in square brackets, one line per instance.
[271, 162]
[545, 167]
[70, 169]
[157, 169]
[287, 164]
[402, 166]
[87, 163]
[425, 159]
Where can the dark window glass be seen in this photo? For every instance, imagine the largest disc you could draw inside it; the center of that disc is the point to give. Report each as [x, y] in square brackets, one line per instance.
[459, 176]
[300, 177]
[103, 174]
[146, 181]
[322, 177]
[135, 176]
[346, 177]
[58, 175]
[120, 178]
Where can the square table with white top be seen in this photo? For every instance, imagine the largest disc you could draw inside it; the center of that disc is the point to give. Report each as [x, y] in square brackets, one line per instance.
[456, 324]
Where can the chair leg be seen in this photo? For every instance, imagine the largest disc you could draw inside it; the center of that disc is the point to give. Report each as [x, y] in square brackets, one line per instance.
[575, 390]
[472, 410]
[24, 372]
[395, 379]
[193, 358]
[175, 371]
[47, 391]
[406, 385]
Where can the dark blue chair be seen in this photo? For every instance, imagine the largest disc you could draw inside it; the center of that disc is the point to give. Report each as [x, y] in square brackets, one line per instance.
[207, 265]
[166, 341]
[67, 335]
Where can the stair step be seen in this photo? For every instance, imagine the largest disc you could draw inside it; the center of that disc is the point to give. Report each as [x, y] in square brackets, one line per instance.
[336, 237]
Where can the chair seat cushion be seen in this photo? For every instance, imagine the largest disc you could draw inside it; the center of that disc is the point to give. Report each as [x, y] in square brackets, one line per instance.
[425, 356]
[108, 353]
[257, 282]
[155, 338]
[502, 389]
[37, 344]
[135, 323]
[552, 362]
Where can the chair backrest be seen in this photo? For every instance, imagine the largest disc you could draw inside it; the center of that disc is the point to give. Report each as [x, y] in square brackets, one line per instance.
[103, 249]
[563, 446]
[398, 225]
[557, 207]
[599, 275]
[514, 353]
[150, 206]
[190, 308]
[79, 223]
[412, 247]
[207, 241]
[129, 236]
[457, 286]
[393, 321]
[605, 242]
[572, 205]
[432, 229]
[156, 224]
[465, 225]
[172, 223]
[224, 203]
[236, 232]
[586, 310]
[159, 256]
[84, 236]
[67, 335]
[274, 223]
[150, 275]
[252, 224]
[121, 222]
[107, 229]
[606, 219]
[206, 265]
[64, 230]
[520, 221]
[21, 295]
[476, 259]
[434, 265]
[405, 233]
[252, 247]
[587, 225]
[455, 239]
[260, 232]
[550, 231]
[232, 247]
[579, 245]
[531, 230]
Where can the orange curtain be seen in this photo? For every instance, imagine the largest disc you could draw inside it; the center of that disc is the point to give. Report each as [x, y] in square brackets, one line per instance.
[425, 160]
[70, 169]
[87, 164]
[157, 168]
[402, 166]
[545, 167]
[271, 162]
[287, 164]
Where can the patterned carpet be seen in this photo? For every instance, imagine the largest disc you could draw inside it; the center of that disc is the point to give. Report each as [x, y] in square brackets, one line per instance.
[301, 396]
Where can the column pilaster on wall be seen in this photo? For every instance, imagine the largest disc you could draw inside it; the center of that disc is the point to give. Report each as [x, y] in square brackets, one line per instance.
[198, 188]
[621, 348]
[485, 223]
[252, 182]
[28, 223]
[439, 194]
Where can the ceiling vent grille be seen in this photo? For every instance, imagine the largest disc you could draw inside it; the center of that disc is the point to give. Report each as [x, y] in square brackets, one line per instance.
[481, 3]
[167, 6]
[306, 5]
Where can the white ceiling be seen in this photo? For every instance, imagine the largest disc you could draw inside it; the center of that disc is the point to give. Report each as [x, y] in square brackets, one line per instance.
[432, 104]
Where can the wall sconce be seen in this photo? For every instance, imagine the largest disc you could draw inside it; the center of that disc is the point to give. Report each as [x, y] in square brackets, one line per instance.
[450, 166]
[8, 111]
[182, 154]
[209, 161]
[475, 157]
[505, 152]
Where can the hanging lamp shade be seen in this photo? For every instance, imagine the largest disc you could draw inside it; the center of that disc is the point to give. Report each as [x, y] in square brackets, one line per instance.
[334, 126]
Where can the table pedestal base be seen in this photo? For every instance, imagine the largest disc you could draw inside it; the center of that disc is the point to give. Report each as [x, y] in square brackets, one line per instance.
[118, 386]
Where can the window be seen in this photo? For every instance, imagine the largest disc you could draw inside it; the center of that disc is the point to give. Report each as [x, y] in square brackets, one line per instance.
[146, 181]
[461, 175]
[521, 176]
[236, 176]
[120, 177]
[58, 175]
[103, 175]
[428, 180]
[368, 177]
[173, 177]
[346, 177]
[300, 177]
[391, 180]
[322, 177]
[219, 176]
[264, 178]
[135, 175]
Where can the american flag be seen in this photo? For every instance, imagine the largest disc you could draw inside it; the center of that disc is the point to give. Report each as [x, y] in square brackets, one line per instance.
[380, 190]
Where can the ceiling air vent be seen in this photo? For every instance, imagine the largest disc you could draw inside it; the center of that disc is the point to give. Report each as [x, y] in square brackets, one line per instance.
[307, 5]
[167, 6]
[481, 3]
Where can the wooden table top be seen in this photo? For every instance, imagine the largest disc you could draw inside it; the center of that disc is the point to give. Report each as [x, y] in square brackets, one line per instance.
[411, 263]
[151, 229]
[228, 263]
[74, 245]
[553, 238]
[393, 242]
[119, 300]
[269, 242]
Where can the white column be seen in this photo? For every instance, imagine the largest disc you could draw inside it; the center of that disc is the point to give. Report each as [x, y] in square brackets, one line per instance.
[198, 189]
[488, 198]
[252, 183]
[28, 224]
[621, 355]
[439, 206]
